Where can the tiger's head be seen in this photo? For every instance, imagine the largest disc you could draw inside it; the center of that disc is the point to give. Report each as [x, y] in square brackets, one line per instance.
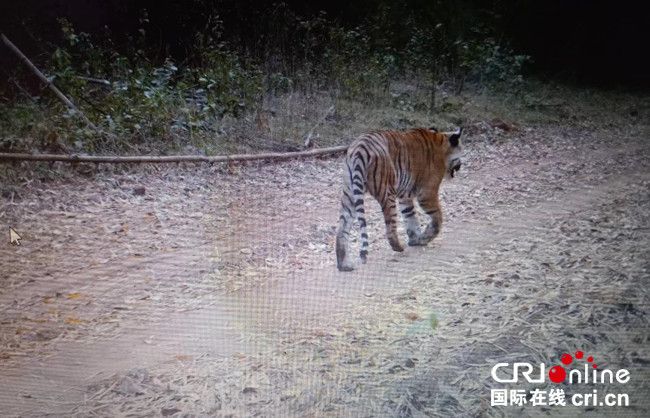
[453, 152]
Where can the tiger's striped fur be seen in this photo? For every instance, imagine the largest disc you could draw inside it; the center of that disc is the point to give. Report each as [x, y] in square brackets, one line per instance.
[395, 166]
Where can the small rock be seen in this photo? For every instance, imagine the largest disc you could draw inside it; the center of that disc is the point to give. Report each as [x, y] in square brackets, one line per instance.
[395, 369]
[500, 124]
[43, 335]
[129, 387]
[139, 191]
[169, 411]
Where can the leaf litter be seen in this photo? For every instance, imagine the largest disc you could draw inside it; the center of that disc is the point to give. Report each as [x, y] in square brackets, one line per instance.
[526, 288]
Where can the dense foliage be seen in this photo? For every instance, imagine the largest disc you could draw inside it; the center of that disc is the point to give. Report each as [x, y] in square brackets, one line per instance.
[174, 70]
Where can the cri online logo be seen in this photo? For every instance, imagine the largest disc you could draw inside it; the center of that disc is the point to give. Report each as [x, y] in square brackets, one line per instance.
[558, 374]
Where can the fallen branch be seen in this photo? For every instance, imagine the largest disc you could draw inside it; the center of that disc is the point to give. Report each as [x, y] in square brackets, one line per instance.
[170, 158]
[49, 84]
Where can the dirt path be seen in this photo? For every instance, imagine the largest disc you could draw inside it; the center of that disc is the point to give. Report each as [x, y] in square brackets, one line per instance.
[215, 293]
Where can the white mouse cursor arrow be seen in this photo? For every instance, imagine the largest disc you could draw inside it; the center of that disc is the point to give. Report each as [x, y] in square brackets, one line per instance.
[14, 238]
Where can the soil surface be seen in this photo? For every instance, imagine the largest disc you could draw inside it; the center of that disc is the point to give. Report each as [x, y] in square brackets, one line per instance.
[213, 291]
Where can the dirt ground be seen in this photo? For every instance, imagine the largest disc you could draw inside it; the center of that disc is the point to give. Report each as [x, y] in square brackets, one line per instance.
[214, 292]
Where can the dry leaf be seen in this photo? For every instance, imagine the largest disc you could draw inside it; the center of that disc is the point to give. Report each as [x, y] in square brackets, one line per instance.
[412, 316]
[71, 320]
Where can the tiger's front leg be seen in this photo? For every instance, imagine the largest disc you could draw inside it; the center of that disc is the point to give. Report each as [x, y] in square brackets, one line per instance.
[431, 207]
[407, 208]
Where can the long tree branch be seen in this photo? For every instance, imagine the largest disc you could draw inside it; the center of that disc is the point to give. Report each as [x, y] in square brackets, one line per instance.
[170, 158]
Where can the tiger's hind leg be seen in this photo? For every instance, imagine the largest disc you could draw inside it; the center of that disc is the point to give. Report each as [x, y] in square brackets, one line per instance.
[407, 208]
[431, 207]
[389, 208]
[363, 233]
[351, 208]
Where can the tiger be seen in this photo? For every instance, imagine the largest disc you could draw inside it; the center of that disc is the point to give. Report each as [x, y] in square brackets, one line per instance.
[395, 166]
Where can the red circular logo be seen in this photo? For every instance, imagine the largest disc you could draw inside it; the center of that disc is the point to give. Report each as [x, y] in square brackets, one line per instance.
[566, 359]
[557, 374]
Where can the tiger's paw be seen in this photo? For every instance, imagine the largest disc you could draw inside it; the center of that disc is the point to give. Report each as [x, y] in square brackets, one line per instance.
[423, 238]
[414, 239]
[417, 242]
[345, 267]
[396, 245]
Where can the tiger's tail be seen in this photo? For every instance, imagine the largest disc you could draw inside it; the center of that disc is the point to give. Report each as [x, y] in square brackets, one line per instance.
[352, 206]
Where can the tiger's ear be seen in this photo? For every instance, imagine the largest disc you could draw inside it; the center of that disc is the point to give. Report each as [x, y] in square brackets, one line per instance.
[433, 128]
[454, 139]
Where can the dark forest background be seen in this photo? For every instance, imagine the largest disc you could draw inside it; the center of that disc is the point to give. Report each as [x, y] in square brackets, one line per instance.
[600, 42]
[175, 70]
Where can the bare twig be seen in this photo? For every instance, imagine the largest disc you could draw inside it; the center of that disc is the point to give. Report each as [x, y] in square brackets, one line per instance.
[308, 142]
[24, 92]
[49, 84]
[170, 158]
[95, 80]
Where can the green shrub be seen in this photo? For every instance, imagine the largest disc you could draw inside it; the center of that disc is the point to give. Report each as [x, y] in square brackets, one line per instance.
[144, 101]
[491, 64]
